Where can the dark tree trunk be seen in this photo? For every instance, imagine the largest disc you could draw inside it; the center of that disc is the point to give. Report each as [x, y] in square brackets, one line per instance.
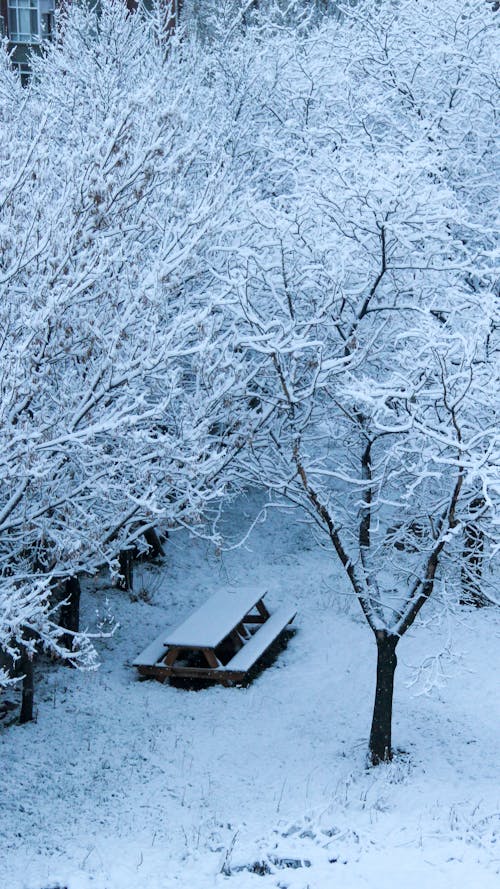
[380, 735]
[154, 543]
[69, 618]
[174, 8]
[26, 668]
[126, 561]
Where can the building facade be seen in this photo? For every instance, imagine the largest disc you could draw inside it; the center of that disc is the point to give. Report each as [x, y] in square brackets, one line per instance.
[26, 23]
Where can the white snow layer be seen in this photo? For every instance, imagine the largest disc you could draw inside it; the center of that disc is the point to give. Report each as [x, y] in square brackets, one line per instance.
[123, 784]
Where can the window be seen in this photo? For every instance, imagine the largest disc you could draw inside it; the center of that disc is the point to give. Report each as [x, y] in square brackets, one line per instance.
[30, 21]
[46, 18]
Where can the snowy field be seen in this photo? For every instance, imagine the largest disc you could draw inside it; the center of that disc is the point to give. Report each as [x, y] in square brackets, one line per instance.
[124, 784]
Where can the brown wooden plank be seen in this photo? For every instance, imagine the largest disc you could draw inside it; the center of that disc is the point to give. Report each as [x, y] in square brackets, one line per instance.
[171, 656]
[211, 658]
[236, 638]
[242, 631]
[163, 673]
[261, 608]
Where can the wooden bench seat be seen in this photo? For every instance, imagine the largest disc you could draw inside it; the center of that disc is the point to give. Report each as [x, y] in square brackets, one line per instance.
[252, 650]
[152, 654]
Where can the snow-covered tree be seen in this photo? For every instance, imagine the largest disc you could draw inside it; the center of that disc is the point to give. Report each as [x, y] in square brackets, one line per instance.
[275, 241]
[366, 293]
[116, 360]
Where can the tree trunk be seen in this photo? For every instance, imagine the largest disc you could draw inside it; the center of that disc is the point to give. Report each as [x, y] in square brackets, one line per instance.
[69, 618]
[154, 543]
[26, 667]
[173, 13]
[126, 561]
[380, 735]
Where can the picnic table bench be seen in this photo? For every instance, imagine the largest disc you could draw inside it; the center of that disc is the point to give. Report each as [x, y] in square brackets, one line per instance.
[220, 641]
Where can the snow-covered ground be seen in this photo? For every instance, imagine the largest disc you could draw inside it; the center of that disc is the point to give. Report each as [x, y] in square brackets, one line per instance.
[122, 784]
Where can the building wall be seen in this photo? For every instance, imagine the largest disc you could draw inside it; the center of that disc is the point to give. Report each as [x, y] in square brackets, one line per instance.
[3, 14]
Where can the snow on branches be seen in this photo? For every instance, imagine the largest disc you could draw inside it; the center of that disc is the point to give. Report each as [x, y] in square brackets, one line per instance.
[267, 255]
[366, 290]
[115, 364]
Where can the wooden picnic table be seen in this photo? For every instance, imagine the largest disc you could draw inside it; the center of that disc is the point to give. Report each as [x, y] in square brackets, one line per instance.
[219, 641]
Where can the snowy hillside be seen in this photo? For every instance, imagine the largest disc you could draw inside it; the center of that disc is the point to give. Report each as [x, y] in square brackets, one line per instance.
[123, 784]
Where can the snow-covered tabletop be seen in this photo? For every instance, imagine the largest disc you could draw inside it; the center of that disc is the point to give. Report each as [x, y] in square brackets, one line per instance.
[215, 619]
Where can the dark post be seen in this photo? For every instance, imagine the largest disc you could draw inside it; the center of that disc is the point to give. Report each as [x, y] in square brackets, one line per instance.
[126, 578]
[154, 543]
[69, 618]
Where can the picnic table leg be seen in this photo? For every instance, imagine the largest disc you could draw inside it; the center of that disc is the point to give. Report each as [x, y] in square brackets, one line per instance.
[261, 608]
[210, 656]
[242, 631]
[238, 642]
[171, 657]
